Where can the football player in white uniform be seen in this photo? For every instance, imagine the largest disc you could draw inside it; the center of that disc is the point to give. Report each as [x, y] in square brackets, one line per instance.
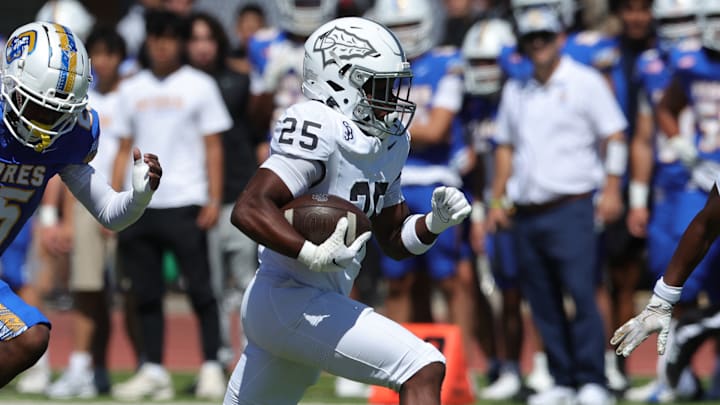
[349, 140]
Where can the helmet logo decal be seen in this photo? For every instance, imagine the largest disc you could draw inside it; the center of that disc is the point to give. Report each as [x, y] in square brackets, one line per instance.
[337, 45]
[68, 59]
[17, 46]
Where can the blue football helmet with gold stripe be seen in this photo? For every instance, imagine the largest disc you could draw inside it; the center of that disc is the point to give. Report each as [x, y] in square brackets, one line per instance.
[45, 79]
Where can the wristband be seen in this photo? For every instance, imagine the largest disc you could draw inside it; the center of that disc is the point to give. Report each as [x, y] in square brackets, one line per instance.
[478, 212]
[638, 194]
[48, 215]
[306, 255]
[616, 158]
[670, 294]
[409, 237]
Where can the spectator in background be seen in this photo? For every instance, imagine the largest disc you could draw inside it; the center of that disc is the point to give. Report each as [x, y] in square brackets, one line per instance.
[250, 19]
[233, 255]
[93, 246]
[182, 8]
[548, 135]
[461, 14]
[178, 111]
[132, 25]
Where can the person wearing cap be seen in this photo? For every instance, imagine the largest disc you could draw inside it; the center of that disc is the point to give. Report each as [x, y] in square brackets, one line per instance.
[560, 136]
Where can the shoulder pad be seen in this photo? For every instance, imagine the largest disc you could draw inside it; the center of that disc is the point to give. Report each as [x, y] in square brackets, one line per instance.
[445, 50]
[306, 130]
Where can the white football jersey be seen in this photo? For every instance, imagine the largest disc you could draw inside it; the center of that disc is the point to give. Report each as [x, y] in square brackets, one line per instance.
[362, 169]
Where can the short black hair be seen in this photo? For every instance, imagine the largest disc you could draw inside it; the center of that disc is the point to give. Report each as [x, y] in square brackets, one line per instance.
[160, 23]
[252, 8]
[108, 36]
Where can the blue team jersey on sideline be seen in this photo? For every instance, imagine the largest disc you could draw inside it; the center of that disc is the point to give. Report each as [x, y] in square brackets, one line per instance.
[654, 74]
[24, 173]
[428, 71]
[699, 76]
[259, 44]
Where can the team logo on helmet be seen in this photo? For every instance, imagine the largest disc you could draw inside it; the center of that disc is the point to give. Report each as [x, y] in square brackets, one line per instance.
[17, 46]
[338, 44]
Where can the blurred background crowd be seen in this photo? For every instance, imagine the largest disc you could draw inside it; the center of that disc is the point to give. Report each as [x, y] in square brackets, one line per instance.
[200, 83]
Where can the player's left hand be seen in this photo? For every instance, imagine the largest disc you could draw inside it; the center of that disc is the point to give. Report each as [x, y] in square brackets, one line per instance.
[655, 317]
[146, 172]
[449, 208]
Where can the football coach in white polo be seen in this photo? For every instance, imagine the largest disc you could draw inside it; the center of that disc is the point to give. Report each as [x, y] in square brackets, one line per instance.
[560, 137]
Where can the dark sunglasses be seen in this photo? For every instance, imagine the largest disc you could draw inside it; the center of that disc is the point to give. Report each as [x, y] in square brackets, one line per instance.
[545, 36]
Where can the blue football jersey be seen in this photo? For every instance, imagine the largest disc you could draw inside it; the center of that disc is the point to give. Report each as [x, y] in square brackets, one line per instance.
[428, 71]
[654, 74]
[699, 75]
[24, 173]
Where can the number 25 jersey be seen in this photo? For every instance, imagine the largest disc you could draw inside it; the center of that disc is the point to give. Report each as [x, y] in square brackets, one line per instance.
[362, 169]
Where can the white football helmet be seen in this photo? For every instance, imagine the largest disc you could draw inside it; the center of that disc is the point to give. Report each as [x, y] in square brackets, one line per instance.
[565, 8]
[413, 22]
[358, 67]
[45, 79]
[302, 17]
[480, 50]
[709, 18]
[676, 21]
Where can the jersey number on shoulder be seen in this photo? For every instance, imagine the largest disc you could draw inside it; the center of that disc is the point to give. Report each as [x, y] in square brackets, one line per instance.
[308, 138]
[11, 199]
[370, 195]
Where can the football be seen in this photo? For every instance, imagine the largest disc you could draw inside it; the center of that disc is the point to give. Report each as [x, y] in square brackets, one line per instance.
[315, 216]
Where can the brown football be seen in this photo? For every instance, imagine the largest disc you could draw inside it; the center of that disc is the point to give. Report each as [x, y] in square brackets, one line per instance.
[315, 216]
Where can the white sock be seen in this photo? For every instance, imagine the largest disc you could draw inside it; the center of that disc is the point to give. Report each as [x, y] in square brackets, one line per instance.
[155, 370]
[79, 361]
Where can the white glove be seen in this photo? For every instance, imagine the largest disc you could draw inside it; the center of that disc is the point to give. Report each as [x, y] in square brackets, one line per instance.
[333, 254]
[449, 207]
[655, 317]
[141, 181]
[685, 149]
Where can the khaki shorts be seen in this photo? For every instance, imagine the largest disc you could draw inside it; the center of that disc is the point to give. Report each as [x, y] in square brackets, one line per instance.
[92, 253]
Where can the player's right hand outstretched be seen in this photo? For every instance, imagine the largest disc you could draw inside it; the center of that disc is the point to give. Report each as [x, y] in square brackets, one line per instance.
[146, 173]
[333, 254]
[654, 318]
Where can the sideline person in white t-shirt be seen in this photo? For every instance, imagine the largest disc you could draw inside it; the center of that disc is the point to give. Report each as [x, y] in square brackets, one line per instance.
[173, 108]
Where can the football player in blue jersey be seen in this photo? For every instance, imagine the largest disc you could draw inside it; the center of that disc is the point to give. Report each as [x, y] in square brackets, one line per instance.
[276, 57]
[654, 163]
[437, 136]
[483, 80]
[49, 129]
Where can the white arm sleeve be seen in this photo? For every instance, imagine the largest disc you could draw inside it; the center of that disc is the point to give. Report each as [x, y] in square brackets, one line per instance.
[297, 174]
[114, 210]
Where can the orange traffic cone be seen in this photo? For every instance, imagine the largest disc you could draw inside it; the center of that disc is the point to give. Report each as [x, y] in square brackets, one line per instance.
[456, 388]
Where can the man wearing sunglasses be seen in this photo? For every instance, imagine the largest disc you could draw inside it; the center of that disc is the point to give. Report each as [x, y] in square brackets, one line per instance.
[549, 129]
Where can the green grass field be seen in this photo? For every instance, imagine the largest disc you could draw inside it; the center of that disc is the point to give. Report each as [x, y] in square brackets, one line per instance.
[322, 393]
